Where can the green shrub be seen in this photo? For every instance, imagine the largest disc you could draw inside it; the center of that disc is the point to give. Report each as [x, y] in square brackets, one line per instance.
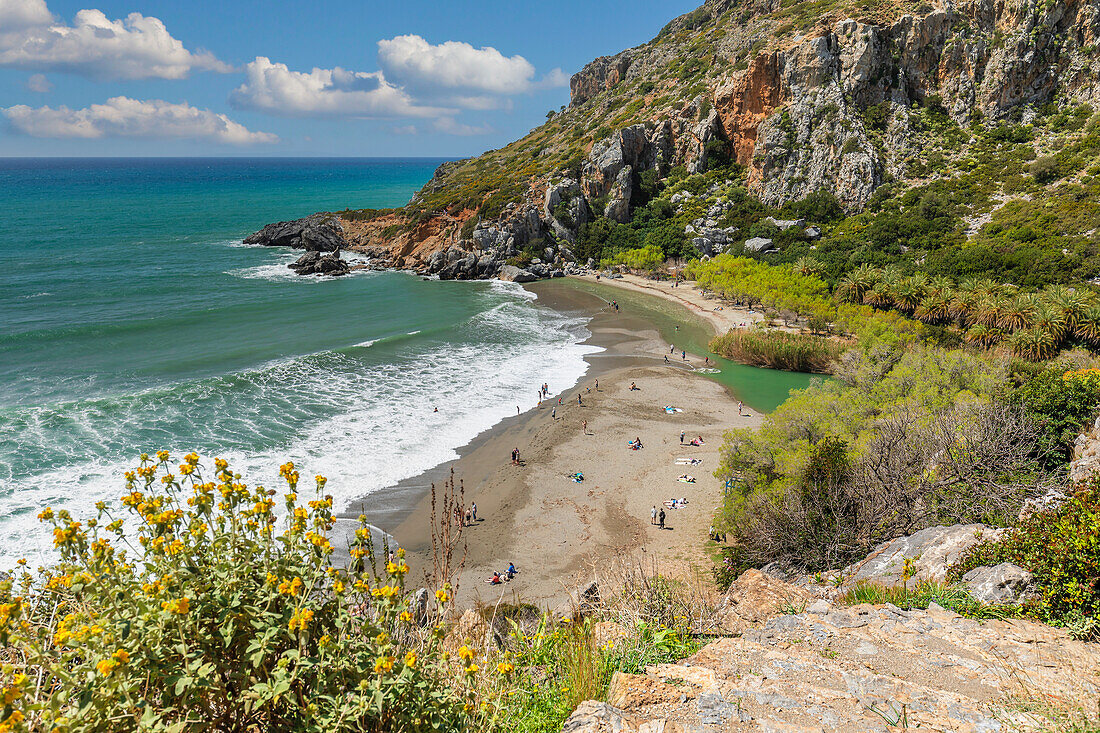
[1063, 403]
[791, 352]
[1061, 548]
[199, 603]
[953, 597]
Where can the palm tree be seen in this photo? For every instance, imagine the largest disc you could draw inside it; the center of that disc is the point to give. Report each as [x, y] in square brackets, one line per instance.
[1018, 313]
[909, 291]
[941, 285]
[1073, 303]
[807, 266]
[963, 305]
[856, 283]
[987, 311]
[933, 309]
[878, 296]
[1033, 344]
[1051, 319]
[1088, 325]
[983, 336]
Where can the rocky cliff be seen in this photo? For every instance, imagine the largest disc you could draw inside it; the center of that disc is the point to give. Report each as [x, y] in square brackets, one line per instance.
[804, 96]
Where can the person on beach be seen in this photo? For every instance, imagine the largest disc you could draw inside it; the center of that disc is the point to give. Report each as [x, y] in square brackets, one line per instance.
[584, 426]
[469, 517]
[666, 359]
[559, 400]
[597, 385]
[495, 580]
[684, 355]
[517, 409]
[554, 412]
[436, 410]
[706, 361]
[515, 456]
[511, 572]
[579, 403]
[473, 511]
[661, 519]
[739, 406]
[672, 349]
[681, 437]
[653, 515]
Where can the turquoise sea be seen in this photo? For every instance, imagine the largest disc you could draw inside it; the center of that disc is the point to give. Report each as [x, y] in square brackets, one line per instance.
[132, 319]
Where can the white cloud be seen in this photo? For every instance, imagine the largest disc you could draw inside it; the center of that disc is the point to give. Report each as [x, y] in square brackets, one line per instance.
[125, 117]
[39, 83]
[274, 88]
[411, 60]
[138, 47]
[24, 13]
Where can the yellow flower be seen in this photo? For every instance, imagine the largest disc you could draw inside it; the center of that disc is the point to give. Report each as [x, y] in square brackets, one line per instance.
[291, 588]
[383, 664]
[405, 617]
[410, 659]
[338, 586]
[441, 596]
[300, 619]
[122, 656]
[163, 456]
[471, 669]
[45, 514]
[465, 653]
[106, 666]
[382, 638]
[505, 668]
[179, 605]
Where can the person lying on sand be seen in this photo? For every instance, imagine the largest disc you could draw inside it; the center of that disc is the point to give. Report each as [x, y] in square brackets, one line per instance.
[698, 441]
[634, 387]
[635, 444]
[686, 479]
[495, 580]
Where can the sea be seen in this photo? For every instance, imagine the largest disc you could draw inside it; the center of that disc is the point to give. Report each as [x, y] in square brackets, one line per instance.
[132, 319]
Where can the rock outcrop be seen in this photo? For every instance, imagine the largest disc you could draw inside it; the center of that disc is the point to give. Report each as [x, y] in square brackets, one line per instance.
[1004, 584]
[316, 263]
[929, 553]
[860, 668]
[315, 233]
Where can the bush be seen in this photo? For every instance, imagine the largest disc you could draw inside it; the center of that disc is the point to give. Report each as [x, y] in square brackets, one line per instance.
[1061, 547]
[779, 350]
[1062, 403]
[220, 612]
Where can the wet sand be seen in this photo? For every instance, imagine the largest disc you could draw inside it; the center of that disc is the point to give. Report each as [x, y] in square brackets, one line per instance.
[553, 528]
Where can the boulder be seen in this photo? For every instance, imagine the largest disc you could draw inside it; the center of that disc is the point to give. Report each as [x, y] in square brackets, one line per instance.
[315, 233]
[758, 244]
[1002, 584]
[637, 690]
[756, 596]
[315, 263]
[511, 273]
[930, 551]
[785, 224]
[813, 232]
[592, 716]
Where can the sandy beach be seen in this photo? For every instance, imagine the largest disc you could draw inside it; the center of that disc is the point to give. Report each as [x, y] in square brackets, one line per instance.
[555, 529]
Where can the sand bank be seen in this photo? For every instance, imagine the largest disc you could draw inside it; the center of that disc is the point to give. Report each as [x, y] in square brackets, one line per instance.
[555, 529]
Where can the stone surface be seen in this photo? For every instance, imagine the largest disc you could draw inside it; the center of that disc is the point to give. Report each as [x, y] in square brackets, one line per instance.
[930, 552]
[758, 244]
[516, 275]
[756, 596]
[316, 263]
[853, 669]
[315, 233]
[1001, 584]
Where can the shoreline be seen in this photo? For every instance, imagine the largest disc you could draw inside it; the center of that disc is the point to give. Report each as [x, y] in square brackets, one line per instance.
[552, 527]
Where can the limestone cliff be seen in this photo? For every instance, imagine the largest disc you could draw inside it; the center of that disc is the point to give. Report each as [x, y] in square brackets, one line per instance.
[805, 96]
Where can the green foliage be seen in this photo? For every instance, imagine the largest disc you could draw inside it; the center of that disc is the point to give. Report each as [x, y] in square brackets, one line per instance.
[778, 350]
[842, 465]
[647, 258]
[217, 615]
[953, 597]
[1061, 547]
[1063, 403]
[364, 214]
[749, 282]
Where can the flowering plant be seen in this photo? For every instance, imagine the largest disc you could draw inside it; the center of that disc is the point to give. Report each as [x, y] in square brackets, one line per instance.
[198, 605]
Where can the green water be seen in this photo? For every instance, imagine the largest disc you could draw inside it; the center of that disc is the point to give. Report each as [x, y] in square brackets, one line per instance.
[761, 389]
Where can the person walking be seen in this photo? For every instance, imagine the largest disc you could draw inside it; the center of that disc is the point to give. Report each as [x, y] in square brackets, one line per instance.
[579, 403]
[597, 385]
[682, 436]
[473, 511]
[554, 412]
[683, 355]
[661, 519]
[584, 426]
[653, 515]
[739, 406]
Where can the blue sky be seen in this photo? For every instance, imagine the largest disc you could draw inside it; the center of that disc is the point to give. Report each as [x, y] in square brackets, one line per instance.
[335, 77]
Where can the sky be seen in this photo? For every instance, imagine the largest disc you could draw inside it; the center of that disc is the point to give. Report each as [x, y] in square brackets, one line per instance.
[290, 78]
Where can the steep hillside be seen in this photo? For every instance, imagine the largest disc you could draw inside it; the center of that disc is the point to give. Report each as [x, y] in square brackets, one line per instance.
[957, 138]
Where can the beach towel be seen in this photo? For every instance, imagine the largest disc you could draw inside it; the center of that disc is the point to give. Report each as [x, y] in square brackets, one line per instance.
[688, 461]
[686, 479]
[670, 409]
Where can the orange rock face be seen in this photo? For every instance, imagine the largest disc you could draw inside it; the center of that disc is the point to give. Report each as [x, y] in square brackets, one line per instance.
[744, 103]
